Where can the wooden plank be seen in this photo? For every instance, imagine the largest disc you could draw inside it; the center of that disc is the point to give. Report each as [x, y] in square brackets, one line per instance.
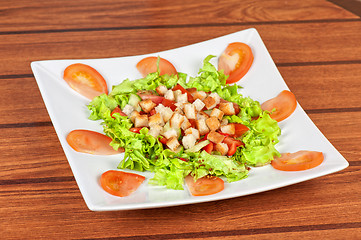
[31, 15]
[19, 50]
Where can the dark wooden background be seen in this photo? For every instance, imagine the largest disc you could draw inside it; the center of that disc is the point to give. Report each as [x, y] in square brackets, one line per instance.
[316, 46]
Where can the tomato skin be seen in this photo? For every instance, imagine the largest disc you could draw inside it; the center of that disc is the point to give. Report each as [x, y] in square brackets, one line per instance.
[233, 144]
[209, 148]
[240, 129]
[298, 161]
[118, 110]
[204, 186]
[149, 65]
[120, 183]
[86, 141]
[156, 99]
[135, 129]
[285, 104]
[236, 60]
[169, 103]
[85, 80]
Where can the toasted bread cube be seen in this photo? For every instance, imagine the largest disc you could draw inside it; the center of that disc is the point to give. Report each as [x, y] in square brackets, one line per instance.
[173, 143]
[170, 133]
[210, 102]
[133, 115]
[202, 115]
[182, 98]
[213, 123]
[202, 126]
[156, 119]
[188, 141]
[169, 94]
[224, 121]
[217, 113]
[128, 109]
[176, 120]
[190, 111]
[229, 129]
[141, 121]
[200, 95]
[180, 105]
[185, 124]
[192, 131]
[161, 90]
[222, 148]
[198, 104]
[176, 94]
[216, 97]
[215, 137]
[227, 108]
[165, 112]
[147, 105]
[155, 130]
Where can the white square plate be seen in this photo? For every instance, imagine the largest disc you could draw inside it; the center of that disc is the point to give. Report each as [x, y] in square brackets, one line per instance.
[68, 111]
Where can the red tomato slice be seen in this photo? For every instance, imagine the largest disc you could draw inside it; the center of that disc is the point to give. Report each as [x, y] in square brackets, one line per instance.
[204, 186]
[118, 110]
[240, 129]
[298, 161]
[236, 60]
[85, 80]
[155, 98]
[149, 65]
[284, 104]
[119, 183]
[86, 141]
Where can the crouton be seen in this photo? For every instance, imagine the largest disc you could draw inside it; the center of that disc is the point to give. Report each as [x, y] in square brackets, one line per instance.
[161, 90]
[217, 113]
[192, 131]
[169, 94]
[181, 98]
[141, 121]
[202, 126]
[147, 105]
[176, 120]
[128, 109]
[229, 129]
[188, 141]
[198, 104]
[170, 133]
[186, 123]
[156, 119]
[213, 123]
[227, 108]
[190, 111]
[202, 115]
[173, 143]
[210, 102]
[176, 94]
[133, 115]
[180, 105]
[215, 137]
[155, 130]
[222, 148]
[216, 97]
[224, 121]
[200, 95]
[165, 112]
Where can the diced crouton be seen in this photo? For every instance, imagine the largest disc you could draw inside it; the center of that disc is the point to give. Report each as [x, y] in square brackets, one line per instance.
[229, 129]
[215, 137]
[210, 102]
[213, 123]
[188, 141]
[165, 112]
[202, 115]
[217, 113]
[216, 97]
[176, 120]
[156, 119]
[169, 94]
[227, 108]
[190, 111]
[224, 121]
[222, 148]
[198, 104]
[147, 105]
[202, 126]
[173, 143]
[170, 133]
[182, 98]
[192, 131]
[141, 121]
[180, 105]
[176, 94]
[128, 109]
[200, 95]
[133, 115]
[161, 90]
[155, 130]
[185, 124]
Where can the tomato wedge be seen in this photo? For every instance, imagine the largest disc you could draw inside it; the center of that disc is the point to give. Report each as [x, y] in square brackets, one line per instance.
[298, 161]
[236, 60]
[86, 141]
[149, 65]
[120, 183]
[284, 104]
[85, 80]
[204, 186]
[240, 129]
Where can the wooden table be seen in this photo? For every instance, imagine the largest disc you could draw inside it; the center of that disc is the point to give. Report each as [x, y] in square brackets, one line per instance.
[315, 44]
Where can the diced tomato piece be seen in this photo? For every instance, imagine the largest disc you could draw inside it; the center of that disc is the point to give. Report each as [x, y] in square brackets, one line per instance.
[163, 140]
[169, 103]
[135, 129]
[155, 98]
[118, 110]
[183, 159]
[183, 90]
[193, 123]
[152, 112]
[209, 148]
[240, 129]
[232, 145]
